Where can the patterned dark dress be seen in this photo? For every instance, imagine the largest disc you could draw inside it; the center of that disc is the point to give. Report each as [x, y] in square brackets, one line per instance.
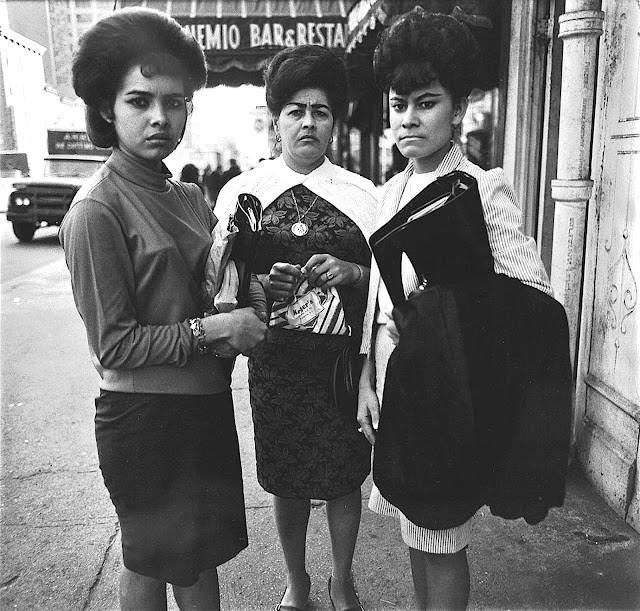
[305, 447]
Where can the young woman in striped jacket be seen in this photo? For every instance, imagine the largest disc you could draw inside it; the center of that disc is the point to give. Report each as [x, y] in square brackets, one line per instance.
[428, 64]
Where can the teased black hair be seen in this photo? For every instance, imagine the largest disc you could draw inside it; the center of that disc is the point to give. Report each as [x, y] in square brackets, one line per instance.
[421, 47]
[118, 41]
[306, 66]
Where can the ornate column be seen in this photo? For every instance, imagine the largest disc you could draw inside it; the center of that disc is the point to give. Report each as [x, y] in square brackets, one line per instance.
[580, 28]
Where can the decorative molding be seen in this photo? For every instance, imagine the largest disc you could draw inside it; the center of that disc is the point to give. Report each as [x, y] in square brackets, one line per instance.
[581, 23]
[613, 396]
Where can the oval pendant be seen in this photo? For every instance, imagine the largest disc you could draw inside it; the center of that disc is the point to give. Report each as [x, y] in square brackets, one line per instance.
[299, 229]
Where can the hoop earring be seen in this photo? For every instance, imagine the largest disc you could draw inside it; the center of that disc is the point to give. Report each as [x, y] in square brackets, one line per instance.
[278, 138]
[331, 140]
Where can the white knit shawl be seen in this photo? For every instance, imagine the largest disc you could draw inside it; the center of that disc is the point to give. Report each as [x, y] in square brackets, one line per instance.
[353, 195]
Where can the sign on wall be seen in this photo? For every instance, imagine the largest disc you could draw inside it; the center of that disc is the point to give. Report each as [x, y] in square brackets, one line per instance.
[70, 142]
[231, 35]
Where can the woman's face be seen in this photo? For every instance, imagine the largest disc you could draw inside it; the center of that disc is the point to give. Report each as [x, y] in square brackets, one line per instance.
[422, 124]
[305, 124]
[149, 115]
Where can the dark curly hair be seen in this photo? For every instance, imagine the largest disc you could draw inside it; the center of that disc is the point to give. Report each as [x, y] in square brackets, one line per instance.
[122, 39]
[421, 47]
[307, 66]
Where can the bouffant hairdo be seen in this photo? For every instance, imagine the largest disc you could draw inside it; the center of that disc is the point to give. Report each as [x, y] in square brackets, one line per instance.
[307, 66]
[421, 47]
[118, 41]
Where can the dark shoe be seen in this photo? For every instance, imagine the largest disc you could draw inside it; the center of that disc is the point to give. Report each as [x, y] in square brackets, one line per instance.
[358, 608]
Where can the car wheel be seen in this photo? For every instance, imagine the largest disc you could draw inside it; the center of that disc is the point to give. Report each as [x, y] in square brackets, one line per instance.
[24, 231]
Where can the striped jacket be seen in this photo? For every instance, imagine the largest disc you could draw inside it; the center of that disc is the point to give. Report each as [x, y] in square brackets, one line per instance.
[514, 253]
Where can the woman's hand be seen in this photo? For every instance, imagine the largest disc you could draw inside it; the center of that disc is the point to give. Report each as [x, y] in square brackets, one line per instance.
[392, 330]
[325, 271]
[368, 413]
[233, 333]
[368, 405]
[282, 281]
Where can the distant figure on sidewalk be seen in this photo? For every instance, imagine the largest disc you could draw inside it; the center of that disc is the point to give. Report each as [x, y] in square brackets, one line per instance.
[136, 243]
[232, 171]
[190, 173]
[212, 183]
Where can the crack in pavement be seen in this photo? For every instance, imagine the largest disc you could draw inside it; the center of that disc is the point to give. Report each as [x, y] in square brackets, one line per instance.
[47, 472]
[64, 523]
[8, 582]
[98, 576]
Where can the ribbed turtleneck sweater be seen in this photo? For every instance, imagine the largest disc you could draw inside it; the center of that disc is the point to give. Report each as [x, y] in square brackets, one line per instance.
[136, 243]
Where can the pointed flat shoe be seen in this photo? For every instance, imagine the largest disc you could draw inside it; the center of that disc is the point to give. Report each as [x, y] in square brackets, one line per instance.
[358, 608]
[281, 607]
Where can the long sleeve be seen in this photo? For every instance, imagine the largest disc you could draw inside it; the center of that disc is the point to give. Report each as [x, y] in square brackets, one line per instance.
[104, 289]
[514, 253]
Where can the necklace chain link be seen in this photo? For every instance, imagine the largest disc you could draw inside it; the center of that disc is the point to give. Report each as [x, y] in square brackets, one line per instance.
[299, 228]
[295, 203]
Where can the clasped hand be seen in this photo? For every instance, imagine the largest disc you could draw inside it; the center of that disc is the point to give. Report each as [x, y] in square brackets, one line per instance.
[321, 270]
[233, 333]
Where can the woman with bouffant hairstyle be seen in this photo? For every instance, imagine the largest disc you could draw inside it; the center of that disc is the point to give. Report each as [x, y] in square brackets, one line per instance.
[428, 65]
[136, 243]
[312, 252]
[107, 50]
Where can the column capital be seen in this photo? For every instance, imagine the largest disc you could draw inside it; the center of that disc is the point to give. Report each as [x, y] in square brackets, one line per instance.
[581, 23]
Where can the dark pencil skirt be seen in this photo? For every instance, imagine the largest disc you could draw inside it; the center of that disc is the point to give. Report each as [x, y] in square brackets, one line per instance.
[171, 464]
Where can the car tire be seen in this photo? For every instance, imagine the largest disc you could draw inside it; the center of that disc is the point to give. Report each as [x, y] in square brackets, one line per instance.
[24, 231]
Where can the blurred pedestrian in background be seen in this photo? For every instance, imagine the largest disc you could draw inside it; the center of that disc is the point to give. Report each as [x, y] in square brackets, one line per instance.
[212, 183]
[231, 172]
[190, 173]
[136, 243]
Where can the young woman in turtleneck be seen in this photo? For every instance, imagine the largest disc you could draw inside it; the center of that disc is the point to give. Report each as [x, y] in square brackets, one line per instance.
[136, 243]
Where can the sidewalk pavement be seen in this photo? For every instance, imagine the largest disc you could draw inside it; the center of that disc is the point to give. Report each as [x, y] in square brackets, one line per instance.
[583, 556]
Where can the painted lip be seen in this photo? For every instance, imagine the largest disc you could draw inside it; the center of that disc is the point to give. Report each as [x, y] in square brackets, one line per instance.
[308, 137]
[159, 138]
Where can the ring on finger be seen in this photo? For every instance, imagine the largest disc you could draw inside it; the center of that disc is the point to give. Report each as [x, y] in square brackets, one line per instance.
[329, 276]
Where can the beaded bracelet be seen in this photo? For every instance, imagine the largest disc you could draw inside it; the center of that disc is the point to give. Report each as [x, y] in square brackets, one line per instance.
[198, 332]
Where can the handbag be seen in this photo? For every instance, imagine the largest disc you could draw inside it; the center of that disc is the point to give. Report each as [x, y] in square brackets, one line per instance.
[441, 230]
[345, 378]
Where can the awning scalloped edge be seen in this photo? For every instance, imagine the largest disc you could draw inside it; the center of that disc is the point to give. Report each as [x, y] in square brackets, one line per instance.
[378, 14]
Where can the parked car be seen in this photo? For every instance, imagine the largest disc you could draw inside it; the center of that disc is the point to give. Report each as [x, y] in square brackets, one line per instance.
[42, 201]
[13, 165]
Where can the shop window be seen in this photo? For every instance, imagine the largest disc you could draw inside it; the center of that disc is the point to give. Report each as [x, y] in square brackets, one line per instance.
[477, 134]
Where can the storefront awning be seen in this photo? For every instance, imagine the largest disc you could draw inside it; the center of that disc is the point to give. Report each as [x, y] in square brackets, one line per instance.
[368, 18]
[240, 36]
[365, 15]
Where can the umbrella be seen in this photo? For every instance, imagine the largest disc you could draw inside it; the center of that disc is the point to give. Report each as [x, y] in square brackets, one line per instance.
[248, 221]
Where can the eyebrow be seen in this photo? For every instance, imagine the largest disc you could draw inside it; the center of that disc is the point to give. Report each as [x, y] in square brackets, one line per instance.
[304, 105]
[142, 92]
[427, 94]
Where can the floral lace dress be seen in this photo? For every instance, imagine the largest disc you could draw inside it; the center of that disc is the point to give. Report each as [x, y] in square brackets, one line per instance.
[305, 447]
